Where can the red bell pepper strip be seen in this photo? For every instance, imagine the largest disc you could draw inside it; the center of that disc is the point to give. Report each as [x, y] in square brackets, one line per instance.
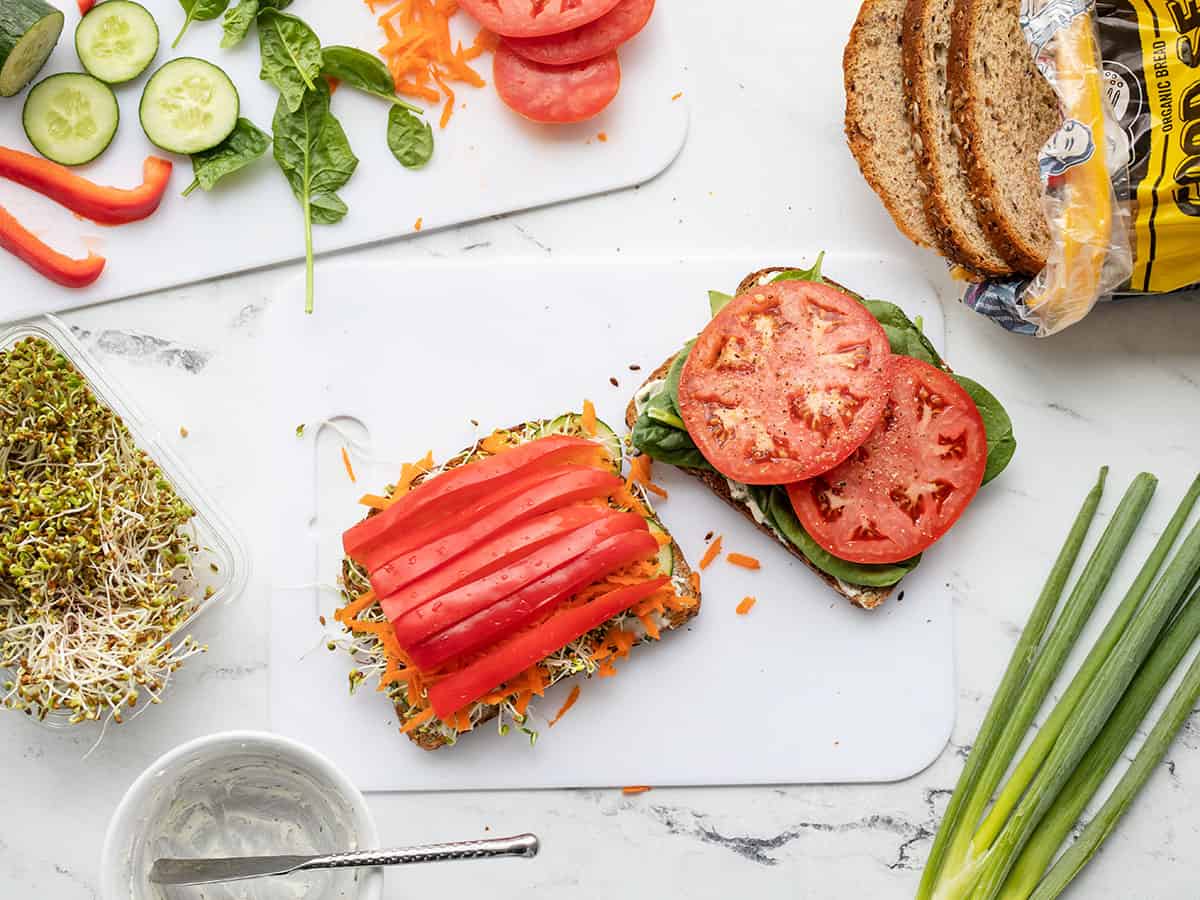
[106, 205]
[568, 485]
[516, 655]
[58, 267]
[506, 547]
[480, 596]
[532, 602]
[85, 6]
[457, 488]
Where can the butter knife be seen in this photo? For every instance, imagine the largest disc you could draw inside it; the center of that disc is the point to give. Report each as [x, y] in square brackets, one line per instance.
[239, 868]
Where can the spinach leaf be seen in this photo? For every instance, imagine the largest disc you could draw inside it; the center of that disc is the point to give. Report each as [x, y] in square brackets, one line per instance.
[813, 274]
[904, 336]
[409, 138]
[312, 151]
[243, 146]
[237, 22]
[291, 56]
[198, 11]
[667, 444]
[362, 71]
[779, 511]
[671, 384]
[996, 422]
[718, 301]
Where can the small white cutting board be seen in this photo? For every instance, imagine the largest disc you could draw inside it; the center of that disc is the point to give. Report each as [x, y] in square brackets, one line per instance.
[803, 689]
[488, 161]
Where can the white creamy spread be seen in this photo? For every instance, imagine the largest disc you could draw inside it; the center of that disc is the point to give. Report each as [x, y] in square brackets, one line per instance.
[645, 392]
[742, 495]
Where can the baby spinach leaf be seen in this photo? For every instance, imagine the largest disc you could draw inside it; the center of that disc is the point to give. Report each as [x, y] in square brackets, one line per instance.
[409, 138]
[312, 151]
[904, 336]
[362, 71]
[237, 22]
[244, 145]
[291, 55]
[996, 422]
[667, 444]
[671, 384]
[813, 274]
[198, 11]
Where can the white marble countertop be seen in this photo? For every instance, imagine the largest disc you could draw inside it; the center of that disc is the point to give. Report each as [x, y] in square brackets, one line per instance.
[1120, 389]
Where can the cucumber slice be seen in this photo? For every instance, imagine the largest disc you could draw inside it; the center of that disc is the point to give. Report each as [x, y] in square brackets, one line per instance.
[189, 105]
[29, 32]
[71, 118]
[571, 424]
[666, 556]
[116, 41]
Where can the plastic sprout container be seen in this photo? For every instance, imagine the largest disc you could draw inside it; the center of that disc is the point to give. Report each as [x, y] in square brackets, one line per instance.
[220, 566]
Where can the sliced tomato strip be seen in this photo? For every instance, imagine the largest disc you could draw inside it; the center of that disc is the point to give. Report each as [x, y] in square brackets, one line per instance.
[106, 205]
[514, 656]
[607, 33]
[452, 491]
[785, 382]
[506, 547]
[451, 608]
[556, 94]
[532, 601]
[58, 267]
[532, 18]
[909, 482]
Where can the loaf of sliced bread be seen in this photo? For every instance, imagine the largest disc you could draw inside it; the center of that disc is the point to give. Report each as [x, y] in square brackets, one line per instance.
[948, 204]
[877, 128]
[1004, 110]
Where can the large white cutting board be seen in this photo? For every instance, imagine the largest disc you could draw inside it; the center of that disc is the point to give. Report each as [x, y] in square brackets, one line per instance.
[804, 689]
[488, 161]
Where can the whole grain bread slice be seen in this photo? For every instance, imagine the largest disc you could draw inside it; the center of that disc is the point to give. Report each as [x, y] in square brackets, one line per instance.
[947, 199]
[859, 595]
[1004, 110]
[877, 129]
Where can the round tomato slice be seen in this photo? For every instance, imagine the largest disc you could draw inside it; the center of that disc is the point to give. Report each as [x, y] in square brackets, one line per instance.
[910, 481]
[785, 382]
[588, 41]
[534, 18]
[556, 94]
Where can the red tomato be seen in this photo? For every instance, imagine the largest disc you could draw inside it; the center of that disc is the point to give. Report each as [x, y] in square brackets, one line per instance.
[556, 94]
[516, 610]
[423, 551]
[909, 482]
[454, 490]
[451, 608]
[785, 382]
[588, 41]
[513, 657]
[506, 547]
[534, 18]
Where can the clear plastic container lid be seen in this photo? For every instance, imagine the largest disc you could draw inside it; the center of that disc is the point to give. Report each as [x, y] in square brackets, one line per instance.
[222, 563]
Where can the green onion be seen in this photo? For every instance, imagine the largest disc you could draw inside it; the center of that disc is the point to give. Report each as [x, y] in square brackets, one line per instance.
[1010, 685]
[1091, 713]
[965, 855]
[1049, 732]
[1103, 755]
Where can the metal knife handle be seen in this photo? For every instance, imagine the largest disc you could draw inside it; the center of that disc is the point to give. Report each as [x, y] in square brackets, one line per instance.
[523, 845]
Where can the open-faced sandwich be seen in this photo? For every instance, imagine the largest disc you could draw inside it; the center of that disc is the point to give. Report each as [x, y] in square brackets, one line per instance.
[828, 419]
[528, 558]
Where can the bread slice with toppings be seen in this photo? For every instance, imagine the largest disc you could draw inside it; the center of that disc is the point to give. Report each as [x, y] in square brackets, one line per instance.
[575, 659]
[877, 127]
[1004, 110]
[948, 204]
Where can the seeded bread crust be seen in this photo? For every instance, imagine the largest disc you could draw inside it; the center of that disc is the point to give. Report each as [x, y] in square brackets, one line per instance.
[877, 129]
[433, 741]
[948, 204]
[862, 597]
[1004, 110]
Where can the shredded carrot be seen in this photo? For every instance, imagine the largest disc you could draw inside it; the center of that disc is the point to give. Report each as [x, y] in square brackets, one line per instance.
[417, 224]
[523, 701]
[462, 721]
[746, 605]
[408, 474]
[655, 489]
[417, 721]
[607, 669]
[496, 442]
[589, 417]
[694, 581]
[352, 609]
[741, 559]
[567, 704]
[713, 551]
[635, 789]
[374, 501]
[677, 96]
[347, 464]
[639, 469]
[421, 55]
[334, 84]
[602, 137]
